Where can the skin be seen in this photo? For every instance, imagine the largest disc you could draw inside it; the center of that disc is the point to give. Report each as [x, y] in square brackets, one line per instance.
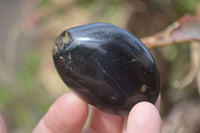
[143, 118]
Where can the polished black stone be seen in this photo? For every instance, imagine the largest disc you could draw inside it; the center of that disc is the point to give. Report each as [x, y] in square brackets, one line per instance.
[106, 66]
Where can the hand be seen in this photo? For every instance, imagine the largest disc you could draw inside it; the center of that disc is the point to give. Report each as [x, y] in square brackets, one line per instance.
[2, 126]
[69, 113]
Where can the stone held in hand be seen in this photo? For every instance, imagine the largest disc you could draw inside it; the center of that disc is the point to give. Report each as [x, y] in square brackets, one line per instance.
[107, 67]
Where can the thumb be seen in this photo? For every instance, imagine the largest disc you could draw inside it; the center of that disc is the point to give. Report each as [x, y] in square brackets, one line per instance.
[144, 118]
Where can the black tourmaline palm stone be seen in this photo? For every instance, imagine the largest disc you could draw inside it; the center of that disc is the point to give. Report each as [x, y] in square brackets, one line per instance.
[106, 66]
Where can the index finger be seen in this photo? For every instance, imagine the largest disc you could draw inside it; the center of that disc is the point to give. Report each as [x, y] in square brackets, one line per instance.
[67, 115]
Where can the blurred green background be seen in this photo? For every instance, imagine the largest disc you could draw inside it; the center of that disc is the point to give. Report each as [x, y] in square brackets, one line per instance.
[29, 83]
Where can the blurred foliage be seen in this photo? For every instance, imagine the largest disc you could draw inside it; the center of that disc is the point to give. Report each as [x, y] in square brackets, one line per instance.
[29, 69]
[43, 3]
[185, 6]
[27, 102]
[6, 96]
[85, 3]
[179, 55]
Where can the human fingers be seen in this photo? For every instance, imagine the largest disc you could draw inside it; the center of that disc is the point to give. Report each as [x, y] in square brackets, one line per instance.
[144, 118]
[2, 126]
[67, 115]
[157, 105]
[101, 122]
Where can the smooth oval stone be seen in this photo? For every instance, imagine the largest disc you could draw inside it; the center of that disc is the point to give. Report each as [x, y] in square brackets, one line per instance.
[106, 66]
